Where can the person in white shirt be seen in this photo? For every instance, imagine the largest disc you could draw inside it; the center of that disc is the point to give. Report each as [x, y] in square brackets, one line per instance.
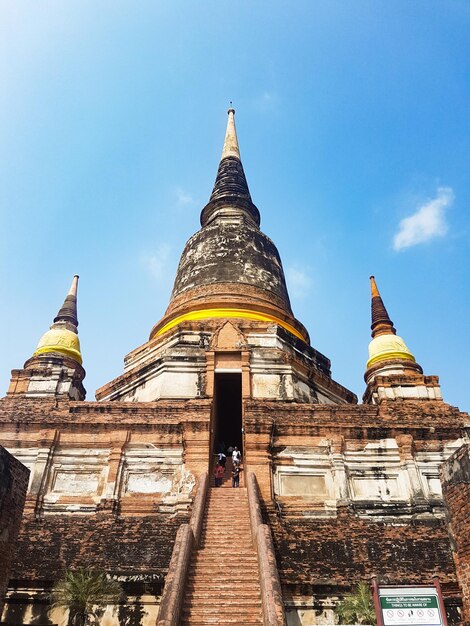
[236, 456]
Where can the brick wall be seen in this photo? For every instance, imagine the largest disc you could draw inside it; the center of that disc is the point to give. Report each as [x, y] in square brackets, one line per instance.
[13, 485]
[133, 545]
[337, 552]
[455, 478]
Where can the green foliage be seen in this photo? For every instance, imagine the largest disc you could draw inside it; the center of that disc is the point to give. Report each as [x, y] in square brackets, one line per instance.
[82, 591]
[357, 607]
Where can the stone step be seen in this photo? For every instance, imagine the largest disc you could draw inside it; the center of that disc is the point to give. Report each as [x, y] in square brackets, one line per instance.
[209, 573]
[211, 616]
[219, 621]
[240, 544]
[215, 534]
[217, 492]
[226, 514]
[222, 588]
[199, 601]
[221, 556]
[226, 517]
[217, 538]
[226, 526]
[224, 564]
[224, 592]
[243, 614]
[209, 569]
[208, 576]
[219, 512]
[222, 527]
[227, 495]
[221, 547]
[243, 547]
[215, 559]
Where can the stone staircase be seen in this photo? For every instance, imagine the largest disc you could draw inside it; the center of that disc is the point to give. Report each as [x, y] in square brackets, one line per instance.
[223, 579]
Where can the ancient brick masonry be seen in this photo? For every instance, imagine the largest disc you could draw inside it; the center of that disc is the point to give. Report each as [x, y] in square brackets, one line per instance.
[401, 539]
[13, 484]
[455, 475]
[127, 533]
[120, 545]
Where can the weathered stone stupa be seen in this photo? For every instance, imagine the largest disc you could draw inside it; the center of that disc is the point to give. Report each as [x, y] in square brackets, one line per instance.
[332, 492]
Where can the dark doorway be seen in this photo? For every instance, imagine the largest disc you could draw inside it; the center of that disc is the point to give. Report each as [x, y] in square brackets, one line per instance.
[228, 411]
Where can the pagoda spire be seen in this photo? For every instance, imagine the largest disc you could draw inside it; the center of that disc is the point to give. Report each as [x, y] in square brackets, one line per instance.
[55, 368]
[392, 371]
[230, 194]
[385, 344]
[68, 311]
[62, 337]
[381, 322]
[231, 148]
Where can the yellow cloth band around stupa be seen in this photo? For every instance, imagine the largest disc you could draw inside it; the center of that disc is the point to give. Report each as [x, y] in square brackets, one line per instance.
[218, 313]
[386, 356]
[388, 347]
[62, 341]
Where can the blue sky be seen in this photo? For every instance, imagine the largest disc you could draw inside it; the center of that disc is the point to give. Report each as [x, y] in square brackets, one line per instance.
[354, 126]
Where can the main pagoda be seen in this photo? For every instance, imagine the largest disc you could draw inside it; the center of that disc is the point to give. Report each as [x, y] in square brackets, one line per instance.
[333, 492]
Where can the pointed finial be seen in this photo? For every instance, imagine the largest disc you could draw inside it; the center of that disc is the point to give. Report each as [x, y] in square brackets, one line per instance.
[373, 287]
[230, 188]
[74, 286]
[68, 311]
[231, 148]
[381, 322]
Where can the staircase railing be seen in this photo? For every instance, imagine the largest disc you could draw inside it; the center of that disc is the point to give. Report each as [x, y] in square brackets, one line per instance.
[187, 538]
[271, 594]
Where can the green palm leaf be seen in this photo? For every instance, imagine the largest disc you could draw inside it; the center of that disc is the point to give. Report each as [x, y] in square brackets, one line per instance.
[81, 591]
[357, 607]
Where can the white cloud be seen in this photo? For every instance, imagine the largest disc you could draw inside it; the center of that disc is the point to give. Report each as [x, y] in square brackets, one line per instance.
[427, 222]
[266, 101]
[298, 281]
[183, 198]
[157, 264]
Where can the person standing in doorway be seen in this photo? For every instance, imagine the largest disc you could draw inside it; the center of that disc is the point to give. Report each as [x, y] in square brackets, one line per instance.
[236, 475]
[222, 459]
[218, 474]
[236, 456]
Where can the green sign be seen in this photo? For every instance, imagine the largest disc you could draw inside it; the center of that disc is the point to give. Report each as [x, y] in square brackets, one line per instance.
[410, 606]
[408, 602]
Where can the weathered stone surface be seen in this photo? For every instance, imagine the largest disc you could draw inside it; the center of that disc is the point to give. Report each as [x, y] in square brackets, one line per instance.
[231, 252]
[179, 365]
[119, 545]
[13, 485]
[455, 476]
